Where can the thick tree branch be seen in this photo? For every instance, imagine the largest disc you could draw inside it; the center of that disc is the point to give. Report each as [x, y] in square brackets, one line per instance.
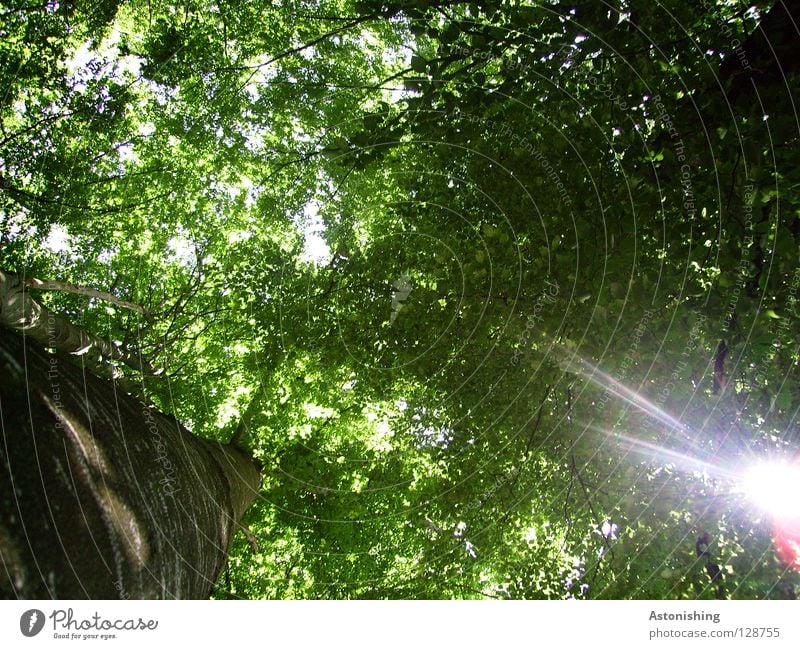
[243, 427]
[251, 538]
[66, 287]
[18, 310]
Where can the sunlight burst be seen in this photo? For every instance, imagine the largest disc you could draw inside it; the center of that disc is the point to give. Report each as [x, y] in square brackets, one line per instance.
[774, 487]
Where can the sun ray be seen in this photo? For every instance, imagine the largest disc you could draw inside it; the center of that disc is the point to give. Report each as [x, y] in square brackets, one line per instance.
[575, 364]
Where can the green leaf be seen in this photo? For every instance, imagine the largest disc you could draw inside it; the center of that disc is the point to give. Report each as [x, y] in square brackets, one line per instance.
[418, 64]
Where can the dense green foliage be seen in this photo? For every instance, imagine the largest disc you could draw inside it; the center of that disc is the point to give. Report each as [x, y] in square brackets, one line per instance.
[514, 197]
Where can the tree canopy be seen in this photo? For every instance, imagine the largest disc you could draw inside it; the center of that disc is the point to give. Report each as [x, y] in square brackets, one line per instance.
[503, 295]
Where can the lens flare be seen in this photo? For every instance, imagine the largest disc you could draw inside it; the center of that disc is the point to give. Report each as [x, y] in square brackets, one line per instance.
[774, 487]
[771, 486]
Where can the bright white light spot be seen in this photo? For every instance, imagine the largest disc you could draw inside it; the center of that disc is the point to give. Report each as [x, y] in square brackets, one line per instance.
[315, 250]
[80, 59]
[774, 488]
[58, 240]
[609, 530]
[182, 250]
[107, 254]
[239, 235]
[314, 411]
[126, 153]
[470, 549]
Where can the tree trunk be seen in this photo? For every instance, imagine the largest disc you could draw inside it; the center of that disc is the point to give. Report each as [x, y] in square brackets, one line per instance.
[102, 496]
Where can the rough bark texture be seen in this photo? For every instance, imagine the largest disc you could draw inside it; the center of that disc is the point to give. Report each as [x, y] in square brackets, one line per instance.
[102, 496]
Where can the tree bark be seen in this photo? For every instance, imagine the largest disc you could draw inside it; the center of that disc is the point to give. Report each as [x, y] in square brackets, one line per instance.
[86, 291]
[102, 496]
[18, 310]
